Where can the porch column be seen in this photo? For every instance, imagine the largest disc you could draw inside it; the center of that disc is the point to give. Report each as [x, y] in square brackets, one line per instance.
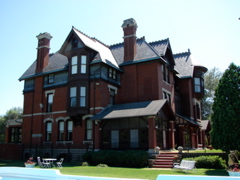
[172, 135]
[152, 137]
[96, 136]
[203, 138]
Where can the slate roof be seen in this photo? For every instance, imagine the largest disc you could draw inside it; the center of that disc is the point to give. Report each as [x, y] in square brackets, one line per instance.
[57, 62]
[137, 109]
[185, 64]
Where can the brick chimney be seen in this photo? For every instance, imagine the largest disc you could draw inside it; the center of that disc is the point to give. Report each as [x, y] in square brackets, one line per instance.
[43, 51]
[130, 48]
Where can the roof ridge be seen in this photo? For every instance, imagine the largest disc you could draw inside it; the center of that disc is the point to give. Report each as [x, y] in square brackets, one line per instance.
[167, 39]
[92, 38]
[182, 53]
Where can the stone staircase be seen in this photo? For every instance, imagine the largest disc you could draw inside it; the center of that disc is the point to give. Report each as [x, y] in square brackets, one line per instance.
[164, 160]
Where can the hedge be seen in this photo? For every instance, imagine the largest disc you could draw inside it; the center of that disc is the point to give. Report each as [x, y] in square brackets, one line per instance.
[214, 162]
[129, 158]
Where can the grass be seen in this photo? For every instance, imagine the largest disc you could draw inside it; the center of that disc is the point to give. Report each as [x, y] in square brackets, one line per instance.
[139, 173]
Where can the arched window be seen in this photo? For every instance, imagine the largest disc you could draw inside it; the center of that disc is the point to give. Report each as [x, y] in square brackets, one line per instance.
[69, 130]
[61, 130]
[89, 129]
[48, 131]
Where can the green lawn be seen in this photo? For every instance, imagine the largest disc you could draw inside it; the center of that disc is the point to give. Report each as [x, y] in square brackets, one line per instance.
[141, 173]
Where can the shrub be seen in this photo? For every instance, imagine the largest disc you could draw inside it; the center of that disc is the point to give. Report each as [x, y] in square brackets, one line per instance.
[215, 162]
[131, 158]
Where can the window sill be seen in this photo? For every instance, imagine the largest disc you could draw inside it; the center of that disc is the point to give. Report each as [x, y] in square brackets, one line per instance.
[64, 142]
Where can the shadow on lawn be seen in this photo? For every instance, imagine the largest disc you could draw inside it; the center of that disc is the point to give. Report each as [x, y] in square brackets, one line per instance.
[218, 172]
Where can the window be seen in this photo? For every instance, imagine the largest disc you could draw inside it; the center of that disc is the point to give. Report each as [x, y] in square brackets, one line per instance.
[61, 130]
[83, 64]
[50, 79]
[197, 84]
[73, 98]
[49, 131]
[74, 43]
[88, 129]
[165, 73]
[82, 96]
[112, 73]
[74, 64]
[134, 138]
[16, 134]
[69, 130]
[115, 138]
[112, 97]
[49, 102]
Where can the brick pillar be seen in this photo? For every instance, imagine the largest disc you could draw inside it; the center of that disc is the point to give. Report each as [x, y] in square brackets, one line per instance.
[152, 137]
[96, 136]
[172, 135]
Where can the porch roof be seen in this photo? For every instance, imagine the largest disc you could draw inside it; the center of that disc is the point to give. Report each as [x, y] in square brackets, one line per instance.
[188, 120]
[137, 109]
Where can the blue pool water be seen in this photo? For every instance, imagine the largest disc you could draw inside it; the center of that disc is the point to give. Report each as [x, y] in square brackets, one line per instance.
[16, 173]
[189, 177]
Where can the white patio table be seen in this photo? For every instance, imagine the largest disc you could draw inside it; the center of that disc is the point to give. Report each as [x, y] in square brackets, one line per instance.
[50, 160]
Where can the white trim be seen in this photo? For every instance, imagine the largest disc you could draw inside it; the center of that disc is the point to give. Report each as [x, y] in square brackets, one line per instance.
[48, 119]
[49, 92]
[112, 87]
[40, 114]
[164, 90]
[62, 118]
[87, 116]
[97, 108]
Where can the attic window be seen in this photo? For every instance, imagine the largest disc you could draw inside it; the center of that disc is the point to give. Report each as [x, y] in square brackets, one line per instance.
[74, 43]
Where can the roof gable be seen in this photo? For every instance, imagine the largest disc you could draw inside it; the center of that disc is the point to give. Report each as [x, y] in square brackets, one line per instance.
[103, 52]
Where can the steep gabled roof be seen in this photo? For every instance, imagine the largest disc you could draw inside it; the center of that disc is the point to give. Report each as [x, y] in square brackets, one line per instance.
[185, 64]
[103, 52]
[57, 62]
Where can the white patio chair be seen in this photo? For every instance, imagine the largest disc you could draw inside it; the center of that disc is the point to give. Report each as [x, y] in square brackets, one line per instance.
[43, 164]
[59, 163]
[185, 165]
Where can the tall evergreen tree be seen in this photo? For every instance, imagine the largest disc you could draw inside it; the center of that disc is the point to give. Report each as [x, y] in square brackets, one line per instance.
[225, 133]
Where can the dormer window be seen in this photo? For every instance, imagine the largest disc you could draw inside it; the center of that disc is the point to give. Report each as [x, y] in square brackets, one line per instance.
[112, 73]
[198, 85]
[50, 79]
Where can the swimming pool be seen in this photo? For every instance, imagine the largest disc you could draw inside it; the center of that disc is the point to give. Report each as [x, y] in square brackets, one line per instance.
[17, 173]
[190, 177]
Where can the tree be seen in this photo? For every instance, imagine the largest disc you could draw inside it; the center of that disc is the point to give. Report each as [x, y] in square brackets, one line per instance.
[211, 80]
[226, 111]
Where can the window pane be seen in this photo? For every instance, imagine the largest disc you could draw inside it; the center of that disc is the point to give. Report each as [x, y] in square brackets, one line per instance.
[83, 91]
[70, 125]
[73, 92]
[49, 126]
[83, 64]
[197, 84]
[82, 96]
[61, 126]
[74, 60]
[134, 138]
[115, 138]
[74, 64]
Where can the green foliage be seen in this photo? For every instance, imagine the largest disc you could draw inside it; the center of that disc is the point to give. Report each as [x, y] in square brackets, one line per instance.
[211, 80]
[131, 158]
[226, 117]
[211, 162]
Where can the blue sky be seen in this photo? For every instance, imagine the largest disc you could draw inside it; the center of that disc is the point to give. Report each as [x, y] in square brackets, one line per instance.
[209, 28]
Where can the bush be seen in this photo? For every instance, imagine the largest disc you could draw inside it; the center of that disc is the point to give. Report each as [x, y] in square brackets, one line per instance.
[214, 162]
[131, 158]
